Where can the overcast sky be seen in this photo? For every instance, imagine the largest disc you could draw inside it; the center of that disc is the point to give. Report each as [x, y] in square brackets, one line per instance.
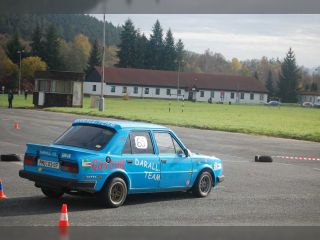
[241, 36]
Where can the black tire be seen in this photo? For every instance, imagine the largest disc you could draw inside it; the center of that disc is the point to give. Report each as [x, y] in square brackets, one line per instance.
[259, 158]
[202, 185]
[114, 193]
[51, 193]
[10, 158]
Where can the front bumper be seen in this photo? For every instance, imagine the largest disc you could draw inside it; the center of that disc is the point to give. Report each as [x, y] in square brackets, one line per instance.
[220, 178]
[63, 184]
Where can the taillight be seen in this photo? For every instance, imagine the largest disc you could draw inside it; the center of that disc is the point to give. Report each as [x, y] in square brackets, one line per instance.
[30, 160]
[69, 166]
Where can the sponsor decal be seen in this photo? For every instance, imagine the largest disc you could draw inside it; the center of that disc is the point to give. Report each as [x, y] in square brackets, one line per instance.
[149, 165]
[187, 182]
[93, 177]
[86, 164]
[152, 176]
[40, 169]
[141, 142]
[66, 155]
[217, 166]
[103, 165]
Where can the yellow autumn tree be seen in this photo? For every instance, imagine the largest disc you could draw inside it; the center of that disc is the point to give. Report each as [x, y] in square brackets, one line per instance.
[29, 66]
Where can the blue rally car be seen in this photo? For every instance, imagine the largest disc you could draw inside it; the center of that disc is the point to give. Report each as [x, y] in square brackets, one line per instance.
[112, 159]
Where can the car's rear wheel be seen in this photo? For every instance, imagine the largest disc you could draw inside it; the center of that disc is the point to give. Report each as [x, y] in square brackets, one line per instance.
[114, 193]
[51, 193]
[202, 185]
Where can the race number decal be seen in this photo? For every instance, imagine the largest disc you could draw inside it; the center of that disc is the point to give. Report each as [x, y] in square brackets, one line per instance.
[141, 142]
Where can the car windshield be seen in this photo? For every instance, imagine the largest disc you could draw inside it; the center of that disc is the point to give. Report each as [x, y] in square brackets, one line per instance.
[84, 136]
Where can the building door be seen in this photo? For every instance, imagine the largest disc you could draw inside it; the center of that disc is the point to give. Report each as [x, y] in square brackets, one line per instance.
[190, 96]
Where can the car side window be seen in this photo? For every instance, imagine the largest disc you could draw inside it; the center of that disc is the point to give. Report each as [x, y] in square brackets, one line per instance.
[164, 143]
[141, 143]
[127, 147]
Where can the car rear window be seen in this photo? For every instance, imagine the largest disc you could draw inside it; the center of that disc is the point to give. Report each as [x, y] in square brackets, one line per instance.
[84, 136]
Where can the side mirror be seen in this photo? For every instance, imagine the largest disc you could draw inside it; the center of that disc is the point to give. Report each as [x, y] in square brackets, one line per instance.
[181, 153]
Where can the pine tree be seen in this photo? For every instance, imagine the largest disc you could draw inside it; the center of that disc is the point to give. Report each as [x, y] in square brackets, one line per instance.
[288, 78]
[269, 83]
[180, 54]
[155, 48]
[141, 48]
[36, 45]
[127, 46]
[52, 51]
[170, 55]
[94, 59]
[256, 75]
[13, 47]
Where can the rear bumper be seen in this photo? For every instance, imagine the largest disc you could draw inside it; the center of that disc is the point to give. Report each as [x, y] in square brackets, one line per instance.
[220, 178]
[64, 184]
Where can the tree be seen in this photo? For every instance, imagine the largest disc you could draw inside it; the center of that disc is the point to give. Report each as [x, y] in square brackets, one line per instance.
[170, 54]
[288, 79]
[52, 53]
[314, 87]
[127, 46]
[37, 44]
[269, 83]
[95, 58]
[29, 66]
[141, 51]
[8, 72]
[13, 46]
[155, 48]
[236, 65]
[180, 53]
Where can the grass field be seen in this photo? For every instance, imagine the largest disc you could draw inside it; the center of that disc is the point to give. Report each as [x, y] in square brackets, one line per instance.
[285, 121]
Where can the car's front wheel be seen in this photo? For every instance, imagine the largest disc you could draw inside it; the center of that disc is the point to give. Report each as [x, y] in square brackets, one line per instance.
[202, 185]
[51, 193]
[114, 193]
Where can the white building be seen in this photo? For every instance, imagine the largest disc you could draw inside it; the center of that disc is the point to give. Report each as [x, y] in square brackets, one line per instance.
[170, 85]
[313, 97]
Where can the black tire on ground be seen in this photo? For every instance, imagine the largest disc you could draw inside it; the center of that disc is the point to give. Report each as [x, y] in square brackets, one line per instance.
[10, 158]
[114, 193]
[202, 185]
[259, 158]
[51, 193]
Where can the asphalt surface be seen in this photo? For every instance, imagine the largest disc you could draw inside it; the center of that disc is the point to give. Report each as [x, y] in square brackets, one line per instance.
[284, 192]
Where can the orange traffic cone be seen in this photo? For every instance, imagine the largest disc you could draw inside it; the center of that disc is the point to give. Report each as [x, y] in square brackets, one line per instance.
[16, 125]
[64, 222]
[2, 195]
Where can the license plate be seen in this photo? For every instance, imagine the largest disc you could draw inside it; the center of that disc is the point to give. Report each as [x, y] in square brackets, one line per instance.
[48, 164]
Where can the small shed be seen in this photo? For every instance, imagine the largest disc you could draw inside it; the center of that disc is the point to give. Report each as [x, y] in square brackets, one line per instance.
[309, 96]
[58, 89]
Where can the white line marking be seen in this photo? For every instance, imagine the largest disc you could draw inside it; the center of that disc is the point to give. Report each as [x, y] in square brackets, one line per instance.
[318, 169]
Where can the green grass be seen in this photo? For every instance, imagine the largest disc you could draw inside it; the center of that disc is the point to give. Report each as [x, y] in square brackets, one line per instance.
[18, 101]
[289, 121]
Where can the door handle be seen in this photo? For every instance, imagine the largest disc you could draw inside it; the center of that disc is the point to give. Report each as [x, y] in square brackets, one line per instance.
[130, 161]
[163, 161]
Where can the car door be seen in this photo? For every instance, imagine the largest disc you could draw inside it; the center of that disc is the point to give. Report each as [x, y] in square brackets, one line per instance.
[176, 168]
[142, 165]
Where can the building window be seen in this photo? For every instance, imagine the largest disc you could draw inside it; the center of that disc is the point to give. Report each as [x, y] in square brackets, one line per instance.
[222, 94]
[168, 91]
[201, 93]
[179, 91]
[94, 88]
[146, 91]
[135, 90]
[212, 94]
[242, 95]
[157, 91]
[251, 96]
[124, 89]
[113, 89]
[232, 95]
[261, 97]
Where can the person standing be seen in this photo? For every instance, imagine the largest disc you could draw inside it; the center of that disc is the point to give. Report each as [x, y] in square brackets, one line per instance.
[25, 94]
[10, 98]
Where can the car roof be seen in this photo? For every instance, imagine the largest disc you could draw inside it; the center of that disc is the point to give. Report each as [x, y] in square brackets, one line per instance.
[119, 124]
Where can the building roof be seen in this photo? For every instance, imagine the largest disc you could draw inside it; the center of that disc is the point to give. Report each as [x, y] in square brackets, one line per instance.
[59, 75]
[309, 93]
[118, 124]
[157, 78]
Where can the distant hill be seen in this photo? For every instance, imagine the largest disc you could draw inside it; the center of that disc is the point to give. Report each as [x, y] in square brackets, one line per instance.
[68, 26]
